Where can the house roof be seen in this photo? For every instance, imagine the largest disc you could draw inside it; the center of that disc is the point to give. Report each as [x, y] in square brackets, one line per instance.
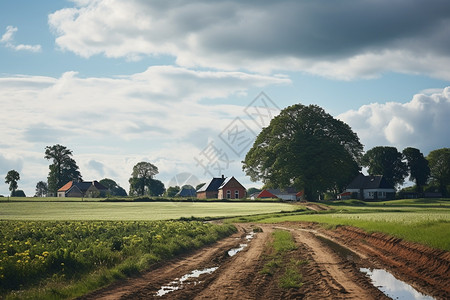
[369, 182]
[265, 194]
[213, 185]
[228, 179]
[66, 187]
[83, 186]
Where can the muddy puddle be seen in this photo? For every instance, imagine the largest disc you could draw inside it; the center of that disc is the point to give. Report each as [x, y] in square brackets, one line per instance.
[178, 283]
[392, 287]
[234, 251]
[381, 279]
[191, 278]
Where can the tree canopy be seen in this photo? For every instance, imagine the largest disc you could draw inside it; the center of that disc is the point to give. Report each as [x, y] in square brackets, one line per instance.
[386, 161]
[11, 178]
[41, 189]
[113, 188]
[307, 148]
[142, 182]
[418, 168]
[439, 161]
[63, 169]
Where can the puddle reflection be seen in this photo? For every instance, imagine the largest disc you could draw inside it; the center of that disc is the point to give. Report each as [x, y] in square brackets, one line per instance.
[392, 287]
[178, 283]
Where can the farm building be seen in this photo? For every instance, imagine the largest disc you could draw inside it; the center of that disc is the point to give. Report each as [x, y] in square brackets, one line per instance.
[222, 188]
[88, 189]
[372, 187]
[288, 194]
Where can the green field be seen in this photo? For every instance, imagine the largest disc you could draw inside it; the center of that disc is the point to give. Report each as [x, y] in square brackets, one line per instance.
[425, 221]
[132, 210]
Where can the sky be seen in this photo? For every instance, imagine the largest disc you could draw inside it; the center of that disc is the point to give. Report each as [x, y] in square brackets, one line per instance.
[188, 85]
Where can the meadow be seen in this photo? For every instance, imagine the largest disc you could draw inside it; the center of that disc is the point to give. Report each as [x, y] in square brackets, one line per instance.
[133, 211]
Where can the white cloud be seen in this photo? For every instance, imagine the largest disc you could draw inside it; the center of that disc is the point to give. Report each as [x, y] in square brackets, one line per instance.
[422, 123]
[345, 39]
[164, 115]
[8, 40]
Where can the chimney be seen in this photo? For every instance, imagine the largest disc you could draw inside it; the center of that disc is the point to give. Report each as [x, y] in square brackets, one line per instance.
[223, 176]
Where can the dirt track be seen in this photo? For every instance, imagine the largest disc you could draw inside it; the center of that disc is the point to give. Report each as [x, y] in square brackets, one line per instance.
[332, 272]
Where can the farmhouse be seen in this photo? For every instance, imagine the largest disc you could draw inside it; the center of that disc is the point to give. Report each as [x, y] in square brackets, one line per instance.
[222, 188]
[372, 187]
[88, 189]
[231, 189]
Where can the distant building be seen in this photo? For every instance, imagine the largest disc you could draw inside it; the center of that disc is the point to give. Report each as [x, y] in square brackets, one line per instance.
[287, 194]
[371, 187]
[222, 188]
[87, 189]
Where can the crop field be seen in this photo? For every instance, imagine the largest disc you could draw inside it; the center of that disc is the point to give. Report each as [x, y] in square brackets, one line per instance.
[132, 211]
[49, 254]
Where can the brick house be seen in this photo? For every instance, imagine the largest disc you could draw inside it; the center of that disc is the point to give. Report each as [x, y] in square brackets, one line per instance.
[222, 188]
[211, 189]
[231, 189]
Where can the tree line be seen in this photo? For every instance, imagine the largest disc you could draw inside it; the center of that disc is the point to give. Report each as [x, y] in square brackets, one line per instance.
[64, 169]
[307, 148]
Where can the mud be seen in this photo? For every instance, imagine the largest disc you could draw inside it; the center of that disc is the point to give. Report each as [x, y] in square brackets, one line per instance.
[334, 259]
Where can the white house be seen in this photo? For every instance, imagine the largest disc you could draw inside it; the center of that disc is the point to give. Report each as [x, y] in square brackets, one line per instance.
[371, 187]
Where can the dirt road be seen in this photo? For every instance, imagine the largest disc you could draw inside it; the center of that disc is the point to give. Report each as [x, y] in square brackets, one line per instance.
[331, 272]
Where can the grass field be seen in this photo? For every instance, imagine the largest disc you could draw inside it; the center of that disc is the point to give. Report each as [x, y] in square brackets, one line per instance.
[132, 210]
[417, 220]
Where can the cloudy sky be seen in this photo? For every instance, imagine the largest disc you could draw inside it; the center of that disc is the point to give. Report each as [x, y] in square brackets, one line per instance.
[187, 85]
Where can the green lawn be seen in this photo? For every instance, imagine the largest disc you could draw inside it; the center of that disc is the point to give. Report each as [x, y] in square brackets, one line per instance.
[132, 211]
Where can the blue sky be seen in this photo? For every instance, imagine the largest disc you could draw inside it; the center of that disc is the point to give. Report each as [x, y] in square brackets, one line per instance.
[172, 83]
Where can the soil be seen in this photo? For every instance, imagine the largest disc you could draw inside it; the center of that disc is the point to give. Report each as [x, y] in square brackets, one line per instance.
[333, 259]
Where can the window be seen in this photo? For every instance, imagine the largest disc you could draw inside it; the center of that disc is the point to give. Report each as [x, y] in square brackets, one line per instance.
[236, 194]
[371, 194]
[228, 194]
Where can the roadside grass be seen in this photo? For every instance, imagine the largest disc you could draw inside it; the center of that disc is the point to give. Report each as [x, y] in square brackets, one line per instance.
[281, 245]
[133, 210]
[66, 259]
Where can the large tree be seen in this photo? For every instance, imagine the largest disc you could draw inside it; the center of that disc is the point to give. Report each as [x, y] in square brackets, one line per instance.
[386, 161]
[307, 148]
[439, 161]
[41, 189]
[63, 169]
[113, 188]
[418, 168]
[142, 182]
[11, 178]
